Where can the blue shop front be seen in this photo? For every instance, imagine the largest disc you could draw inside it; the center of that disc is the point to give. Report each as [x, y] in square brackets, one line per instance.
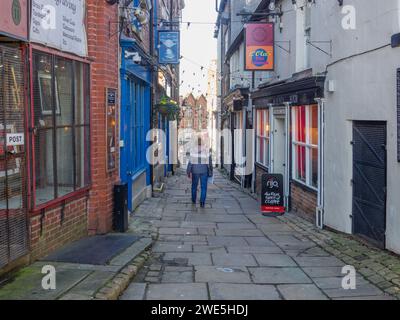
[135, 122]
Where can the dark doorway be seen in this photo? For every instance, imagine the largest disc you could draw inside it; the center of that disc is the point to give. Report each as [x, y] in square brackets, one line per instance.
[369, 181]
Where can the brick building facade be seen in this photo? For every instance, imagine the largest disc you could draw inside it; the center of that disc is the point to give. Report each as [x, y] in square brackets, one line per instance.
[62, 190]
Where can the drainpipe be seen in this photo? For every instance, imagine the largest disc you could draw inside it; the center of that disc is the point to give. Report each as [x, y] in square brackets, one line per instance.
[321, 132]
[153, 20]
[287, 155]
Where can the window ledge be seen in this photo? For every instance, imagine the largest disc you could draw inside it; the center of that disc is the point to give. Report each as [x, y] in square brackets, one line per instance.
[56, 202]
[304, 186]
[260, 165]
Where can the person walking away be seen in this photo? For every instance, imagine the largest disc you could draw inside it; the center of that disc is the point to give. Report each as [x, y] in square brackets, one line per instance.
[199, 169]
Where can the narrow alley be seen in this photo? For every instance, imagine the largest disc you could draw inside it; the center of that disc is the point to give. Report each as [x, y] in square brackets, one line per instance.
[228, 250]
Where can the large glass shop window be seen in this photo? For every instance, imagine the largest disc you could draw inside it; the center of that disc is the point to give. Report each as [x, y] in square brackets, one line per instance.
[61, 126]
[305, 144]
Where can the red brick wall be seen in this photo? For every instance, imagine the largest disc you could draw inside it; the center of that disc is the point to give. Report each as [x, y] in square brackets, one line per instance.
[57, 232]
[303, 201]
[103, 51]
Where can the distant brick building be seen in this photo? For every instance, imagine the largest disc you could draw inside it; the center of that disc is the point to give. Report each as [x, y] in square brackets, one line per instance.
[194, 113]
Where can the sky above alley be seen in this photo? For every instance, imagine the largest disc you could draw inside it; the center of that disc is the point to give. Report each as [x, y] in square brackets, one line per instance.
[198, 45]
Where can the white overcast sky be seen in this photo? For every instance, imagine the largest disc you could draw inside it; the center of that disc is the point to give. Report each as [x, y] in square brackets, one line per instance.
[197, 44]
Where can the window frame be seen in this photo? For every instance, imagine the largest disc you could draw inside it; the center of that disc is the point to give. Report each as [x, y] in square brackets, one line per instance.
[265, 113]
[86, 123]
[308, 145]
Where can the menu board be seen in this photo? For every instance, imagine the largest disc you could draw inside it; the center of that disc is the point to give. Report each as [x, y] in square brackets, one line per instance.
[272, 196]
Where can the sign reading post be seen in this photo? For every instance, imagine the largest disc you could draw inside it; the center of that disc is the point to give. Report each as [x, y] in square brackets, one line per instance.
[272, 196]
[259, 47]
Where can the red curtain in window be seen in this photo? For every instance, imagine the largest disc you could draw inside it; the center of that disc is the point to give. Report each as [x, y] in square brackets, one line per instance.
[261, 117]
[301, 137]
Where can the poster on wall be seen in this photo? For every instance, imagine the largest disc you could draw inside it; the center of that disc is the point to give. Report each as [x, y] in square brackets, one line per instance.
[168, 47]
[59, 24]
[259, 47]
[111, 128]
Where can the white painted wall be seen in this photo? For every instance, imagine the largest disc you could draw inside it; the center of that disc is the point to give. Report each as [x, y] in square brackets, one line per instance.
[365, 90]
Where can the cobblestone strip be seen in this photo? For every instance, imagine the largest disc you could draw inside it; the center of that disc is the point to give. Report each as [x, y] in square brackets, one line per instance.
[113, 289]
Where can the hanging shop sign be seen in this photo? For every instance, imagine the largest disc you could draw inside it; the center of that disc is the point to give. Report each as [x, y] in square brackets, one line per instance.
[59, 24]
[272, 196]
[259, 47]
[14, 18]
[168, 47]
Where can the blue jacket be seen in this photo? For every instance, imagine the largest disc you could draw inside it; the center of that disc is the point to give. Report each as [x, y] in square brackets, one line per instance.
[200, 168]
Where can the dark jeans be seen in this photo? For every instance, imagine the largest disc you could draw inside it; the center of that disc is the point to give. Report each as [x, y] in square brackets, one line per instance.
[203, 183]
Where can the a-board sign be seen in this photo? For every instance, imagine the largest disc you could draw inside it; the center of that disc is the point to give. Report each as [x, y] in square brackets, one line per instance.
[272, 196]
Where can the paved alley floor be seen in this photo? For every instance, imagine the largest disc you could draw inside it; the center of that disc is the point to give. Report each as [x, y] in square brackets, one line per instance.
[228, 250]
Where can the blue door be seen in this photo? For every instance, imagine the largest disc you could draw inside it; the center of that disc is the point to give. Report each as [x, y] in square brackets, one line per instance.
[134, 124]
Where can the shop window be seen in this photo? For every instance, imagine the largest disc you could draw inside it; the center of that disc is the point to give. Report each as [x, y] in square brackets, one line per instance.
[61, 126]
[238, 139]
[263, 137]
[305, 144]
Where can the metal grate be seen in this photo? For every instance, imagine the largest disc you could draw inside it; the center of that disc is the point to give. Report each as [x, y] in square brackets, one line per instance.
[13, 216]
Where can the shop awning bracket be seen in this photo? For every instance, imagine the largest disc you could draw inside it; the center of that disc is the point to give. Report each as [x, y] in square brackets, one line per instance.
[284, 49]
[311, 43]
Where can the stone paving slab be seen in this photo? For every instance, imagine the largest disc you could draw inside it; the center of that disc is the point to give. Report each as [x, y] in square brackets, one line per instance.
[219, 274]
[210, 249]
[226, 241]
[365, 289]
[233, 291]
[178, 277]
[233, 259]
[177, 291]
[178, 231]
[301, 292]
[229, 225]
[253, 249]
[274, 260]
[319, 262]
[195, 258]
[167, 247]
[282, 275]
[259, 241]
[335, 282]
[320, 272]
[239, 232]
[90, 285]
